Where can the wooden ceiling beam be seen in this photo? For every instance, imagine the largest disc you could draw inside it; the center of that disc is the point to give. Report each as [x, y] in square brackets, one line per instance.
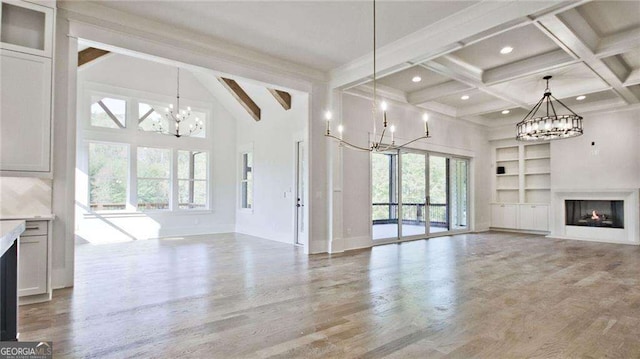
[90, 54]
[283, 98]
[243, 98]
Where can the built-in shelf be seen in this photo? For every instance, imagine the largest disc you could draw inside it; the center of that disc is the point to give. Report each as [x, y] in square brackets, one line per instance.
[527, 174]
[537, 158]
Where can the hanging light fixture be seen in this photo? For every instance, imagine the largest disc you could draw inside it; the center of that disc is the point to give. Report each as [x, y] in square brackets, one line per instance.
[179, 118]
[378, 144]
[550, 126]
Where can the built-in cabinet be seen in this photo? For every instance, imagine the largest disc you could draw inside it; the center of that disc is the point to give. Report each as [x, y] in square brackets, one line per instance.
[522, 186]
[26, 48]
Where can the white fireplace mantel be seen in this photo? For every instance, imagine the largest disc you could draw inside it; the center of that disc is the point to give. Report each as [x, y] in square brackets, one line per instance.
[630, 234]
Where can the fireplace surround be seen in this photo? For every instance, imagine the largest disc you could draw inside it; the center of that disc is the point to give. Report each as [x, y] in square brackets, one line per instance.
[602, 215]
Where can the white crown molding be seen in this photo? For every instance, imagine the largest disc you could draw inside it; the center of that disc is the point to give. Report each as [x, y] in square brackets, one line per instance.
[131, 26]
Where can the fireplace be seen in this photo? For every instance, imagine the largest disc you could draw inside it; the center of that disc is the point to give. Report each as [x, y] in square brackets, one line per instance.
[594, 213]
[605, 215]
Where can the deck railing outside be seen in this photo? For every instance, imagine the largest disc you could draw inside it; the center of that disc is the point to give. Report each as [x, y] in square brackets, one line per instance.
[413, 213]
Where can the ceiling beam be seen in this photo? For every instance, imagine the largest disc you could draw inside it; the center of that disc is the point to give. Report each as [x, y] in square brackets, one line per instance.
[283, 98]
[437, 91]
[243, 98]
[633, 78]
[390, 93]
[529, 66]
[90, 54]
[618, 43]
[452, 68]
[562, 33]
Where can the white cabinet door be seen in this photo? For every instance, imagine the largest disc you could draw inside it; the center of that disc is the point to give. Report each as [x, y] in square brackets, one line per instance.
[541, 218]
[534, 217]
[504, 216]
[25, 112]
[32, 265]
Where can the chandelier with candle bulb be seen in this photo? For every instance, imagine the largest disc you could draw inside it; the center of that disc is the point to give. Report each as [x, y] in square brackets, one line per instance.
[379, 143]
[179, 118]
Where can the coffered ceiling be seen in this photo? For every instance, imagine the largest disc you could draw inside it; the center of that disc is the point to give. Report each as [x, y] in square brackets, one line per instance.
[591, 50]
[432, 53]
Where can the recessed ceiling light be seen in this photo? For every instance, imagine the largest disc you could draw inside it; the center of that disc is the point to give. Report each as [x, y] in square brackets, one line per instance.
[506, 50]
[504, 112]
[581, 97]
[416, 79]
[464, 97]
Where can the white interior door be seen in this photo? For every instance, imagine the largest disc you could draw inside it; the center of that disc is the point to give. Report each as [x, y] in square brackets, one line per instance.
[300, 191]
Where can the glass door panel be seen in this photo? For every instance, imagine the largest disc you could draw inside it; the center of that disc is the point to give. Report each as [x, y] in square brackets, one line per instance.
[414, 193]
[438, 189]
[384, 195]
[458, 193]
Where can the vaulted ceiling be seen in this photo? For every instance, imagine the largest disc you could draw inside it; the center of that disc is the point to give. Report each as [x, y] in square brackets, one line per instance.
[591, 48]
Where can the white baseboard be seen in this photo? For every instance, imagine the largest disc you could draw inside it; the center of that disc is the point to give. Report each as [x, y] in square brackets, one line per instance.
[357, 242]
[593, 240]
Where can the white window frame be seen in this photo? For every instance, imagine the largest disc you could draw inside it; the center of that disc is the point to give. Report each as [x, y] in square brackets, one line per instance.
[242, 151]
[134, 138]
[192, 180]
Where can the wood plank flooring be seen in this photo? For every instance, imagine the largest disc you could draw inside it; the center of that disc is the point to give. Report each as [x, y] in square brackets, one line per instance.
[489, 295]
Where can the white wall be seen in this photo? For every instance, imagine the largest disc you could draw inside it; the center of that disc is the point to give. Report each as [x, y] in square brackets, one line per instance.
[448, 136]
[272, 140]
[119, 71]
[616, 134]
[617, 163]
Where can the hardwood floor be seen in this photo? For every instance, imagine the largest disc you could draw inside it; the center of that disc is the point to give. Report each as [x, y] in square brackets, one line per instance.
[490, 295]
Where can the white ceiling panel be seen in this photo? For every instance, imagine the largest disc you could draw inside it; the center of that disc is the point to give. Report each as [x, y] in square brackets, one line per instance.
[526, 41]
[572, 80]
[632, 58]
[402, 80]
[610, 17]
[516, 112]
[476, 97]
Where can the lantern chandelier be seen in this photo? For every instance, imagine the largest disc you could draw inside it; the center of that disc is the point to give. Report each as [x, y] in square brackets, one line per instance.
[550, 126]
[179, 118]
[378, 144]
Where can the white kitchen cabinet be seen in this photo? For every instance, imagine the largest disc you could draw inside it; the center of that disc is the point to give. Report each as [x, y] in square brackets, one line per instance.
[33, 259]
[534, 217]
[25, 112]
[27, 27]
[32, 267]
[504, 215]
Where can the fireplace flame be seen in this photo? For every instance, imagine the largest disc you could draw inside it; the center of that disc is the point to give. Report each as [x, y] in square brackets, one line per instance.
[594, 216]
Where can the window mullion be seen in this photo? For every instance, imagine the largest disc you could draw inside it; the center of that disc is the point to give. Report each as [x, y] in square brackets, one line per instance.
[132, 188]
[173, 180]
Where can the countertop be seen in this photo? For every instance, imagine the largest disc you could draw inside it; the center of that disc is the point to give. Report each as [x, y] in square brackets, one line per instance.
[44, 217]
[9, 231]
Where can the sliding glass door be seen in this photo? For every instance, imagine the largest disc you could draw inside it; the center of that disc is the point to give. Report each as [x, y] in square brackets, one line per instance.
[384, 195]
[458, 193]
[438, 189]
[413, 184]
[416, 194]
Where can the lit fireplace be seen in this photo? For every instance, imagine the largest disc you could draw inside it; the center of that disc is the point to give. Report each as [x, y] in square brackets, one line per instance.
[594, 213]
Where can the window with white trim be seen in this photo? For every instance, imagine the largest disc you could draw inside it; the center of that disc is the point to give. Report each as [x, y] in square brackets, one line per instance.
[154, 178]
[192, 179]
[129, 165]
[108, 176]
[246, 182]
